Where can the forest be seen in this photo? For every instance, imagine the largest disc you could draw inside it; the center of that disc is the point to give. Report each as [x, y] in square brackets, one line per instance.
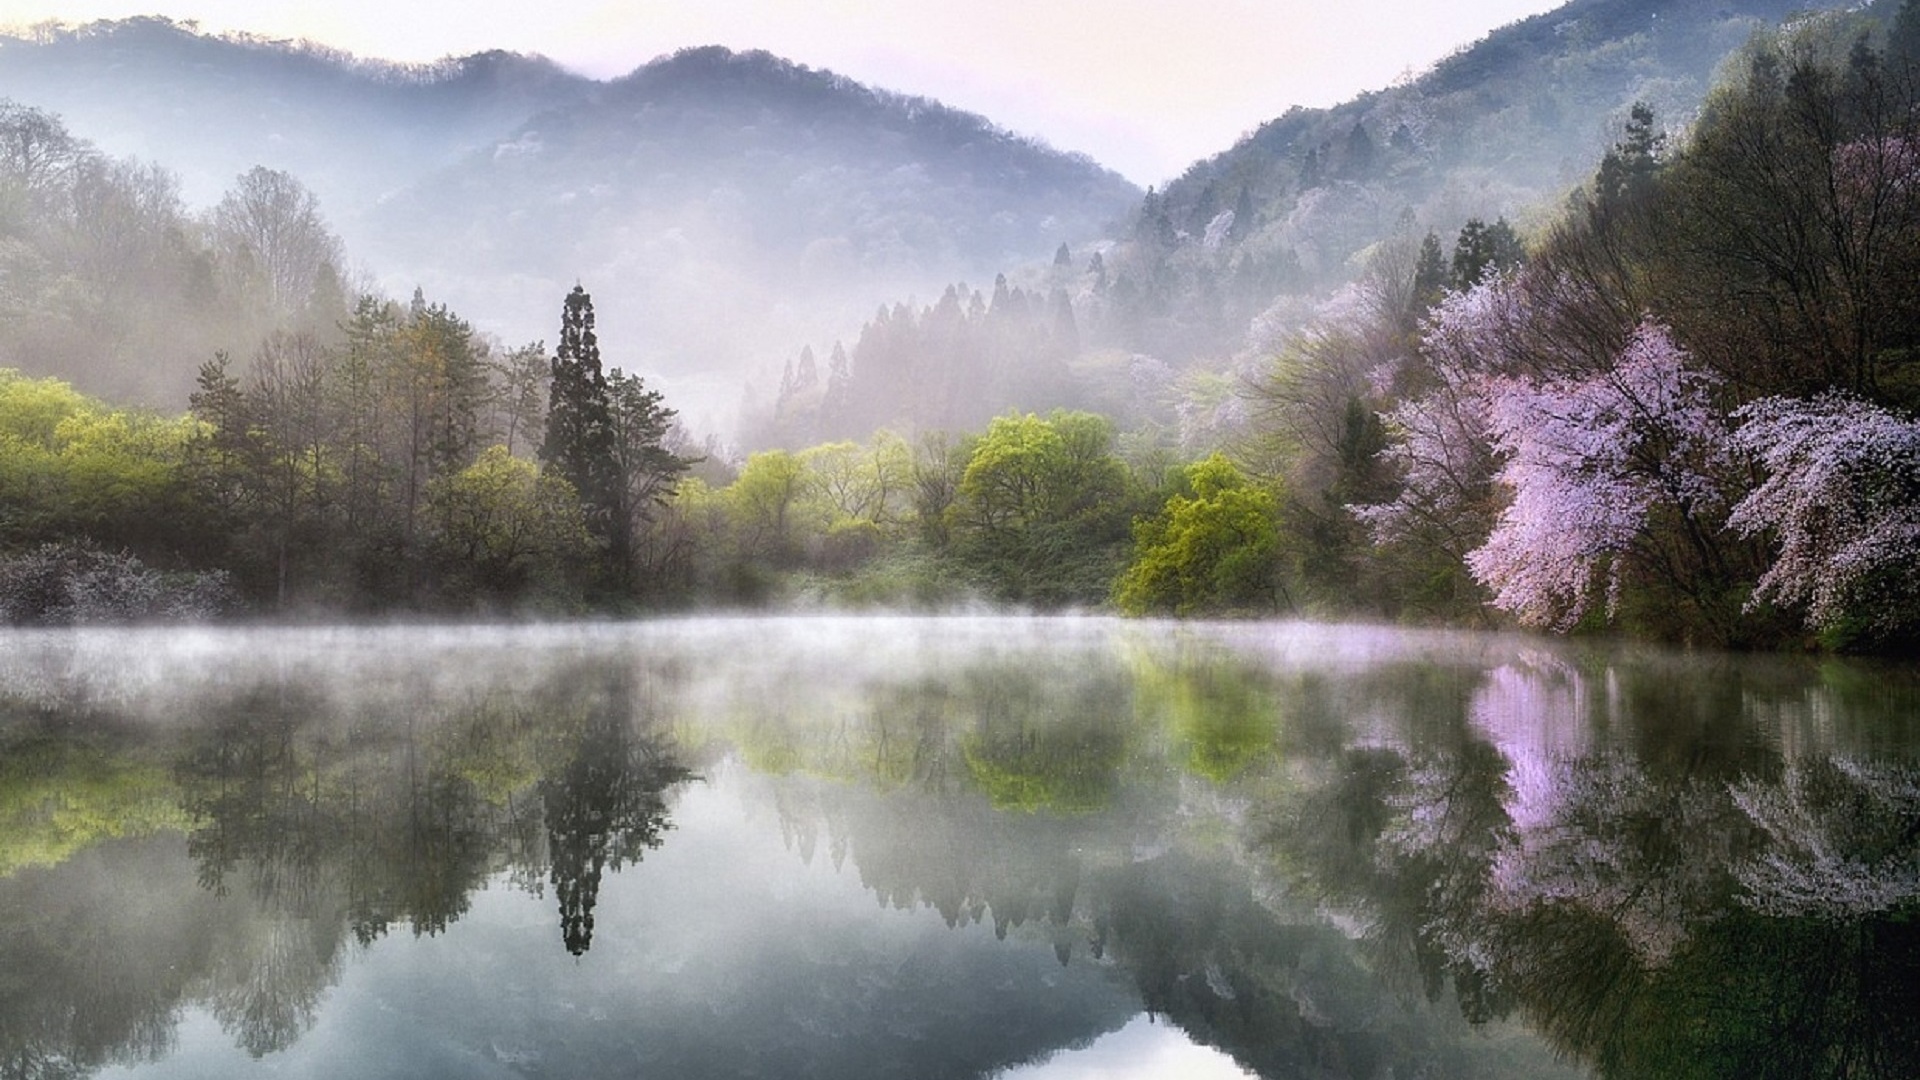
[1679, 404]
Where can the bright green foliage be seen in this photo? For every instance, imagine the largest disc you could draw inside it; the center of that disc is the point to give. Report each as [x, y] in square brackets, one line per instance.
[1224, 718]
[1036, 743]
[69, 464]
[857, 483]
[766, 506]
[57, 800]
[1213, 550]
[1042, 507]
[504, 526]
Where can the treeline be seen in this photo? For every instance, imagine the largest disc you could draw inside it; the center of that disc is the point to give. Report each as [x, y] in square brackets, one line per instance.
[107, 278]
[391, 467]
[950, 366]
[1043, 511]
[1689, 414]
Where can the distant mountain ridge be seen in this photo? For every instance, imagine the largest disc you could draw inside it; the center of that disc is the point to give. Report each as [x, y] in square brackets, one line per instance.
[711, 170]
[720, 205]
[210, 107]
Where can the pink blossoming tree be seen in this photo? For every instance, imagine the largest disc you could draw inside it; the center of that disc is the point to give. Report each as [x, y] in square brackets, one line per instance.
[1610, 474]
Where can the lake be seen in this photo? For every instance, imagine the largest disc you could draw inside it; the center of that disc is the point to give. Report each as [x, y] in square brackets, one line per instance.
[950, 847]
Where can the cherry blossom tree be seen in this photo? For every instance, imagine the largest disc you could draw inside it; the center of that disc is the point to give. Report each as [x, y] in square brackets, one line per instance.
[1440, 449]
[1842, 497]
[1603, 470]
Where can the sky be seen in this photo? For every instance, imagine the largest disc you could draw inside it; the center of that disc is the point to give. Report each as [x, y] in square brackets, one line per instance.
[1145, 87]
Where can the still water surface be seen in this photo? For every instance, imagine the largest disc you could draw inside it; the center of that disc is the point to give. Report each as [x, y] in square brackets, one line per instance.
[957, 847]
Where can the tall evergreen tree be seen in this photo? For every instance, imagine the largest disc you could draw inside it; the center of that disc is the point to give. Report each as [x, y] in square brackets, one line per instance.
[579, 435]
[1483, 249]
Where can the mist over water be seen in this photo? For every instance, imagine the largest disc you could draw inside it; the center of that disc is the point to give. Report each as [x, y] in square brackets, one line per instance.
[940, 847]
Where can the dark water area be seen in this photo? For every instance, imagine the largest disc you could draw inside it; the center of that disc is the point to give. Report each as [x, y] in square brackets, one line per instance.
[950, 847]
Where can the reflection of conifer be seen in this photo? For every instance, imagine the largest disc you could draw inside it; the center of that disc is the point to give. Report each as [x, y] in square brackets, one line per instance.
[604, 810]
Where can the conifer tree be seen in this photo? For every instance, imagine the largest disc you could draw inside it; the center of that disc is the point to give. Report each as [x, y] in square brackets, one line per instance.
[579, 421]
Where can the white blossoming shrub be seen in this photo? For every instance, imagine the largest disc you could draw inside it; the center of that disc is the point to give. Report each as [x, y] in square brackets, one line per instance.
[69, 584]
[1842, 499]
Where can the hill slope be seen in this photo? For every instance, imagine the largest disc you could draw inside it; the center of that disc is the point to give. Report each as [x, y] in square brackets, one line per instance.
[1502, 127]
[710, 188]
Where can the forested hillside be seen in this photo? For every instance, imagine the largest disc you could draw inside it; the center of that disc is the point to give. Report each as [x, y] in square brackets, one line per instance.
[209, 108]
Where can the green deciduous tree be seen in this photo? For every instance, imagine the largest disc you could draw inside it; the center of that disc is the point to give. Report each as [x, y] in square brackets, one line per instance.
[503, 527]
[1211, 550]
[1042, 507]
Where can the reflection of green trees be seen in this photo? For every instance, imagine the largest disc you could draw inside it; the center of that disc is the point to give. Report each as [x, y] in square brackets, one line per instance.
[309, 824]
[1039, 741]
[59, 797]
[398, 818]
[1023, 733]
[1221, 712]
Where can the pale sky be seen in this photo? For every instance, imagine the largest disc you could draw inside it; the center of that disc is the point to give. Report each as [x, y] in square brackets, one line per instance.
[1145, 87]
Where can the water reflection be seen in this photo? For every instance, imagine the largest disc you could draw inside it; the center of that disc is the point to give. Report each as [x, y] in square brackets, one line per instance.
[947, 848]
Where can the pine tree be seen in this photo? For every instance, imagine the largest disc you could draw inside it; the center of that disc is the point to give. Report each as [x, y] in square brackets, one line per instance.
[836, 409]
[1626, 173]
[1429, 273]
[807, 375]
[1242, 216]
[1484, 249]
[579, 419]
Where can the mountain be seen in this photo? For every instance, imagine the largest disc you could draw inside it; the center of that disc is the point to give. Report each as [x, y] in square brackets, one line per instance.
[1504, 127]
[719, 206]
[711, 190]
[209, 108]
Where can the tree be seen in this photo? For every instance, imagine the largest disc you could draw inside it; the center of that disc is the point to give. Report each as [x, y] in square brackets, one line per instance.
[268, 228]
[503, 526]
[1212, 550]
[1627, 171]
[1483, 249]
[1042, 507]
[1842, 500]
[289, 474]
[1790, 256]
[1607, 474]
[579, 436]
[763, 505]
[520, 403]
[36, 150]
[641, 470]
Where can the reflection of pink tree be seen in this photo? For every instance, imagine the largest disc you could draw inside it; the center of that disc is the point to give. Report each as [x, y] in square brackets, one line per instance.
[1596, 464]
[1842, 495]
[1842, 839]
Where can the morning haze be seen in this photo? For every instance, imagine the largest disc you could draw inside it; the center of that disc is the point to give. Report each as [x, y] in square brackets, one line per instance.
[742, 563]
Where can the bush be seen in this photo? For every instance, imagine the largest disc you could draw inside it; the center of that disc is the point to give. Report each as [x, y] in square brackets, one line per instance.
[75, 583]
